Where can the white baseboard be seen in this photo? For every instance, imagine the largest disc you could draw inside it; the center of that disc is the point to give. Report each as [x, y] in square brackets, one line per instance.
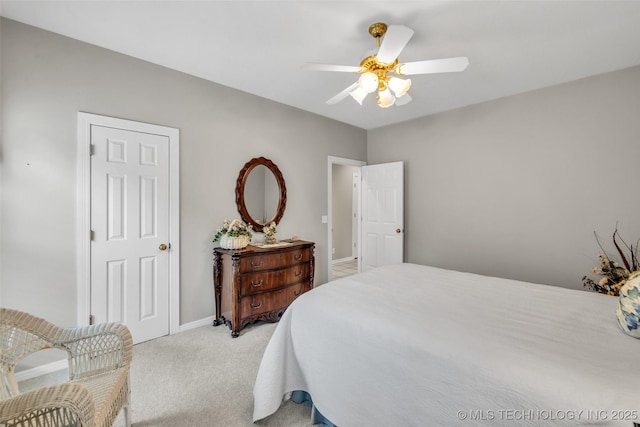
[27, 374]
[335, 261]
[64, 364]
[192, 325]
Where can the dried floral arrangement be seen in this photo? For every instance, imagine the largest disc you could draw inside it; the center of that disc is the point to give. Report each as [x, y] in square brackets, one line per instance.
[614, 275]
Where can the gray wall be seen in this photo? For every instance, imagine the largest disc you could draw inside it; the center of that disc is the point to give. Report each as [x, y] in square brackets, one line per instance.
[342, 207]
[516, 187]
[511, 188]
[46, 79]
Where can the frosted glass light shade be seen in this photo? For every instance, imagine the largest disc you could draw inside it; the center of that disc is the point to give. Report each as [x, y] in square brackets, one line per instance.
[404, 100]
[358, 94]
[368, 82]
[385, 98]
[399, 86]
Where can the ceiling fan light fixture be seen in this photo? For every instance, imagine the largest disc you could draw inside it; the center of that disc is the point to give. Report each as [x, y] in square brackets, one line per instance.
[368, 82]
[385, 98]
[404, 100]
[377, 65]
[358, 94]
[399, 86]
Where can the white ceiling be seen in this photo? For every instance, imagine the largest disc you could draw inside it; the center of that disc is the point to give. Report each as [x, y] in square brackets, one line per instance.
[260, 46]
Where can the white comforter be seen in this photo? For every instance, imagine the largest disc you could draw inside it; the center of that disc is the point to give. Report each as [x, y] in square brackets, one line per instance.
[410, 345]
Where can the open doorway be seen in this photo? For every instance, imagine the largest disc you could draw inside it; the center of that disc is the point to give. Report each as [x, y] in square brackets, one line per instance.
[343, 219]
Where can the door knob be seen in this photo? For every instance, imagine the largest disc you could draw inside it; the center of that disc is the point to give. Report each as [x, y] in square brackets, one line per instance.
[398, 230]
[163, 247]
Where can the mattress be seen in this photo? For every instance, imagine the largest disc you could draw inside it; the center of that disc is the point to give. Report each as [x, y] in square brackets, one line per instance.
[414, 345]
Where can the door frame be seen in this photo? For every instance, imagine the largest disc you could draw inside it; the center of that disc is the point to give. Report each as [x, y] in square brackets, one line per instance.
[83, 210]
[355, 211]
[331, 160]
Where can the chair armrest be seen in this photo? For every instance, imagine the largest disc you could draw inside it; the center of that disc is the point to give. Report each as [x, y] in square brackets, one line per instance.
[96, 348]
[92, 349]
[71, 403]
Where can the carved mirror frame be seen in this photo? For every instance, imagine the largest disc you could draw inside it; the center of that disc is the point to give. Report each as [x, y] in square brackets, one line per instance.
[240, 185]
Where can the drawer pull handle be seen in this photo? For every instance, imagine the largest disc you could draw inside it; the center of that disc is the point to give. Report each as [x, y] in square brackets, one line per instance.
[256, 285]
[296, 293]
[297, 257]
[257, 264]
[255, 307]
[297, 273]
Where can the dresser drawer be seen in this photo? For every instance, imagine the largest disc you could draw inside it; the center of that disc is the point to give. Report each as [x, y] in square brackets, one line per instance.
[270, 261]
[272, 279]
[268, 301]
[258, 284]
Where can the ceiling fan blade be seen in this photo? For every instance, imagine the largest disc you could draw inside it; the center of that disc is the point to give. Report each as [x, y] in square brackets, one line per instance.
[446, 65]
[394, 40]
[342, 95]
[403, 100]
[329, 67]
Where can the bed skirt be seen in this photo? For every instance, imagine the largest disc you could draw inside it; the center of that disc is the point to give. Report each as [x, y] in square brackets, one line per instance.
[300, 396]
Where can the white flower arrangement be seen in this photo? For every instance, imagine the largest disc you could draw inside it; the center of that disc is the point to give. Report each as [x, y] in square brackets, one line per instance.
[233, 228]
[270, 232]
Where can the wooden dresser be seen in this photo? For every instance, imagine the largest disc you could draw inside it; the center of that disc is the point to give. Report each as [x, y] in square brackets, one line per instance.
[256, 283]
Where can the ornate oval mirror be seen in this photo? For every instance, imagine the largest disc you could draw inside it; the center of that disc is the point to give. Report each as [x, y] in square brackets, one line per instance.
[261, 194]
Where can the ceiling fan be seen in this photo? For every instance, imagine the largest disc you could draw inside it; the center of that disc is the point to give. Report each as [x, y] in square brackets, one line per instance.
[377, 70]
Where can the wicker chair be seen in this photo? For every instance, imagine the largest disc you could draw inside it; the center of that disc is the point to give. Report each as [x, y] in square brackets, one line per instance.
[98, 386]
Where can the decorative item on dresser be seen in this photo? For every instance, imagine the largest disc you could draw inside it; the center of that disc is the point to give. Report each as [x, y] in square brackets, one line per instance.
[259, 283]
[233, 234]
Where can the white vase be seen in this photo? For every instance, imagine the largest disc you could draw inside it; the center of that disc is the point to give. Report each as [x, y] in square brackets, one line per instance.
[233, 242]
[628, 311]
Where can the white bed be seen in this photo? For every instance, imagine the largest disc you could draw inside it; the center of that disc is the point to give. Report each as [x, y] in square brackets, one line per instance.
[412, 345]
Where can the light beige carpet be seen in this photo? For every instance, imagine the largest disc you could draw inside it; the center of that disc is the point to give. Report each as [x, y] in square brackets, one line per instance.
[201, 377]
